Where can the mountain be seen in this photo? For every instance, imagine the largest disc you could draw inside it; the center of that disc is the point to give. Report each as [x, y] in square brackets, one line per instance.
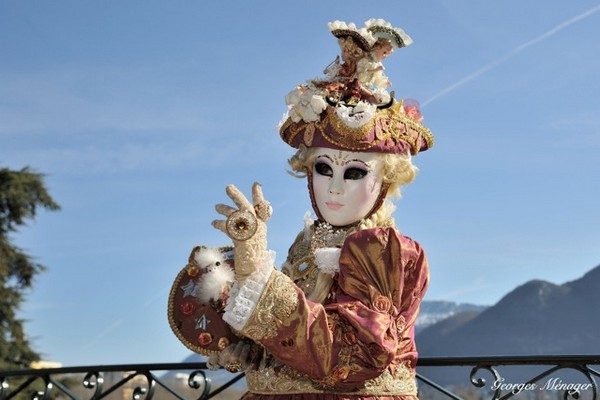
[435, 311]
[536, 318]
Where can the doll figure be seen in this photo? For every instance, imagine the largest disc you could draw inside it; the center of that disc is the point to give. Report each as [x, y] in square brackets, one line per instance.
[306, 102]
[370, 68]
[354, 44]
[340, 83]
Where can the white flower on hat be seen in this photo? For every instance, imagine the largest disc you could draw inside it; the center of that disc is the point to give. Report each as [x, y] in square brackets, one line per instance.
[356, 116]
[306, 104]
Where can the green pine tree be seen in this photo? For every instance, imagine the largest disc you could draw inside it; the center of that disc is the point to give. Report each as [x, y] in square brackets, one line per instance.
[21, 194]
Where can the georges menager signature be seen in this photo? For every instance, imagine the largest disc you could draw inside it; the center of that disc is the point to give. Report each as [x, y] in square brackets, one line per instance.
[550, 384]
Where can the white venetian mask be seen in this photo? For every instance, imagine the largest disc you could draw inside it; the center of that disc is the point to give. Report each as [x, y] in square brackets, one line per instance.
[346, 185]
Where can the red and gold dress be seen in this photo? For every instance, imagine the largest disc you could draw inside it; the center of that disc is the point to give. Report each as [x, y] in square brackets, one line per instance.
[357, 343]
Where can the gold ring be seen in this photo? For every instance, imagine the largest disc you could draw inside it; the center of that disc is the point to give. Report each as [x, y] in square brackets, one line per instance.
[241, 225]
[234, 366]
[263, 210]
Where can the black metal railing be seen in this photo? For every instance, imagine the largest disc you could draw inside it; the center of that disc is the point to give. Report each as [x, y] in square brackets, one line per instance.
[458, 378]
[502, 378]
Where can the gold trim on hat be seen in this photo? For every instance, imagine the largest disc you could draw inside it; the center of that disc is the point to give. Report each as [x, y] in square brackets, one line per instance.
[361, 41]
[388, 127]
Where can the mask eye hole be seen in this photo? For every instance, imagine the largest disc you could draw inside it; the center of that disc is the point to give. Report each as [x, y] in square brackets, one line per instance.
[323, 169]
[355, 173]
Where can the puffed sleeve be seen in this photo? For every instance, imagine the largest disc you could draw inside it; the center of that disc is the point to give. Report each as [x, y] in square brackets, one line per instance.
[389, 273]
[355, 337]
[381, 262]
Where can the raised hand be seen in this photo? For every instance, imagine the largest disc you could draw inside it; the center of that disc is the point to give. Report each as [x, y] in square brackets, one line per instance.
[246, 226]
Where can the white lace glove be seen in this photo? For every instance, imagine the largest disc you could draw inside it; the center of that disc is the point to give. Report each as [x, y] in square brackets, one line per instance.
[246, 227]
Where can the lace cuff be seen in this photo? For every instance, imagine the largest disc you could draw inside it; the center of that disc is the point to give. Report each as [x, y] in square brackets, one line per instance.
[328, 259]
[243, 299]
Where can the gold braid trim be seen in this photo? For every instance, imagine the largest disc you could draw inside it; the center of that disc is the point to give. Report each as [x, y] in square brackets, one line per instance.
[288, 381]
[388, 126]
[278, 301]
[390, 32]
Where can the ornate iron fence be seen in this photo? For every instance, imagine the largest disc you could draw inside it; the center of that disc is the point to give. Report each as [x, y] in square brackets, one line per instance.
[494, 378]
[502, 378]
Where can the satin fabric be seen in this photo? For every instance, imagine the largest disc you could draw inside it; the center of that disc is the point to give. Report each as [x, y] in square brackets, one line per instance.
[365, 328]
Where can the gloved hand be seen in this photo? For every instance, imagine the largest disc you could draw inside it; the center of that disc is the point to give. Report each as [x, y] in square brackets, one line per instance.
[234, 358]
[246, 227]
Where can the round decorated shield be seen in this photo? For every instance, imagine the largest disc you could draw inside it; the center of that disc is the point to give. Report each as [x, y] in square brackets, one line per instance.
[195, 317]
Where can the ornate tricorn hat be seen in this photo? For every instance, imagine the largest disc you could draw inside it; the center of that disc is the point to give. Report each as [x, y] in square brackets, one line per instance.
[384, 30]
[351, 108]
[363, 38]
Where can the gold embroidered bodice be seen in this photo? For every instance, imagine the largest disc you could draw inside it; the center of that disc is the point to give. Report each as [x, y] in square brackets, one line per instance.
[275, 378]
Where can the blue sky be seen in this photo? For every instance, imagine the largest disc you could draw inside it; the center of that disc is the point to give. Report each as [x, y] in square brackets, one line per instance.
[141, 112]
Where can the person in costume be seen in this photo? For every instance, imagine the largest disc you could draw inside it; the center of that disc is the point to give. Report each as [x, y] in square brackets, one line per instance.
[337, 321]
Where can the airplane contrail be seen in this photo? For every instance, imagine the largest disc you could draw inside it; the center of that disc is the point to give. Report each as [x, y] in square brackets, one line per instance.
[512, 53]
[119, 321]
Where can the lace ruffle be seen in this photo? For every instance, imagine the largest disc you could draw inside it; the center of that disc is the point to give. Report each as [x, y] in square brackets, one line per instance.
[243, 299]
[328, 259]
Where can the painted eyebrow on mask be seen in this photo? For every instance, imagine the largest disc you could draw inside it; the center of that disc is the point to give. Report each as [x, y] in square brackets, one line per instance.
[358, 161]
[344, 162]
[324, 156]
